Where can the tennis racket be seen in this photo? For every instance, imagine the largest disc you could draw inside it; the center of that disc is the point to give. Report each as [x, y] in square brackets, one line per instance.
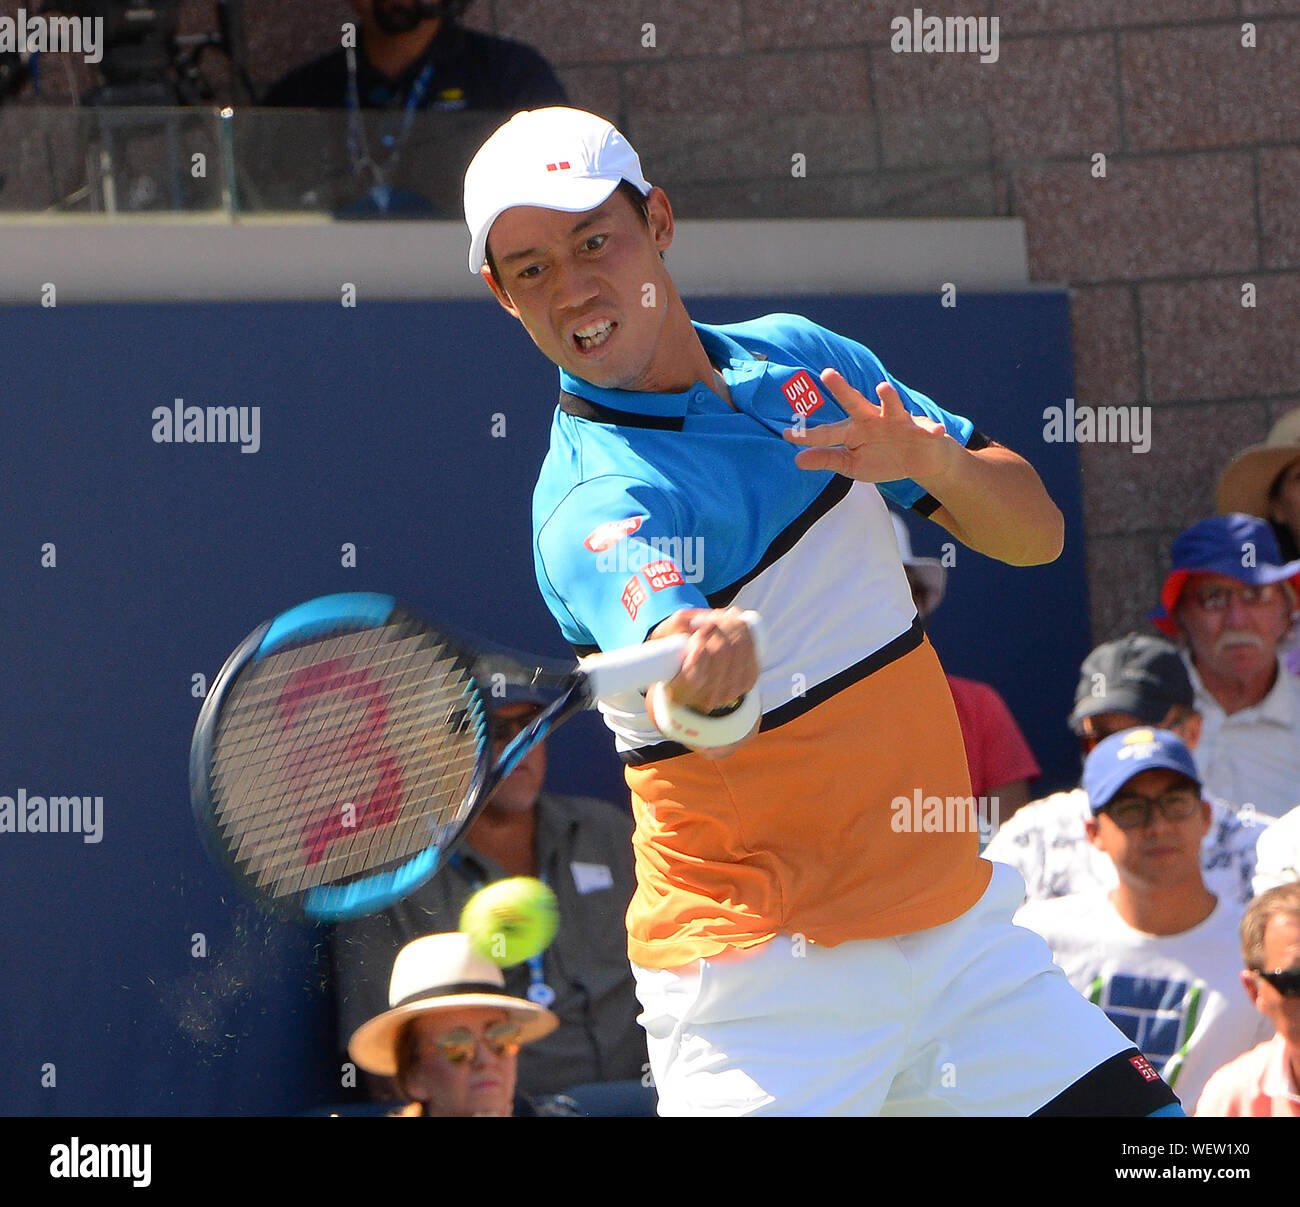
[346, 746]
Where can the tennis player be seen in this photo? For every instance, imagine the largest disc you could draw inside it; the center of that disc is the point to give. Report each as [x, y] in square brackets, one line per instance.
[804, 942]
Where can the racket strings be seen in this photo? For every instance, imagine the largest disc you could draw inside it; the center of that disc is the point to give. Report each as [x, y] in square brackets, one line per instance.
[338, 757]
[347, 818]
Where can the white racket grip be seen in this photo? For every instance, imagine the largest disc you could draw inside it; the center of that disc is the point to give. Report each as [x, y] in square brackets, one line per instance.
[636, 668]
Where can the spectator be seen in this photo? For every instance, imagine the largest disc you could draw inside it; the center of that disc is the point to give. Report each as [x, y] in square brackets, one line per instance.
[582, 848]
[1229, 598]
[1266, 1080]
[1264, 481]
[1136, 680]
[409, 57]
[406, 57]
[1001, 763]
[451, 1035]
[1158, 953]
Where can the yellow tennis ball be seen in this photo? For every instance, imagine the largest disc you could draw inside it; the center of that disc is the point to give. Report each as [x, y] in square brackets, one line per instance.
[512, 920]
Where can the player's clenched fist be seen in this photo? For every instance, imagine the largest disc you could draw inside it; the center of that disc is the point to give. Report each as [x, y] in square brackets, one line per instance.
[719, 668]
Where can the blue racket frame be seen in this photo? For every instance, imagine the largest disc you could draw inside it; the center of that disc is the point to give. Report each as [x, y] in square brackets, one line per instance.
[368, 894]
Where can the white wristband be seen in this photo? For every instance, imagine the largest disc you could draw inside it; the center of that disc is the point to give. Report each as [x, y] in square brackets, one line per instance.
[691, 728]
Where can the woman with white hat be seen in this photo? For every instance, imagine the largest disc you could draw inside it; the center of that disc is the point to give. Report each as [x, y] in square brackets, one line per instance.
[452, 1035]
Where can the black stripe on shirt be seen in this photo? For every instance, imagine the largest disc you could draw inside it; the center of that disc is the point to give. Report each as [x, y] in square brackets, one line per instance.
[584, 408]
[786, 539]
[903, 644]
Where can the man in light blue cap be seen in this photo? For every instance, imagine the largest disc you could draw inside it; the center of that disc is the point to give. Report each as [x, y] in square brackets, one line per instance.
[1229, 598]
[1158, 953]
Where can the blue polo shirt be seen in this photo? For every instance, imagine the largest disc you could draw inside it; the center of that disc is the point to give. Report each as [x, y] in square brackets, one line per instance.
[637, 479]
[648, 503]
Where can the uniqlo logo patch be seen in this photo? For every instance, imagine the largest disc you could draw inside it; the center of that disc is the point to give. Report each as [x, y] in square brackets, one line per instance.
[1143, 1066]
[803, 393]
[633, 596]
[610, 533]
[661, 575]
[562, 166]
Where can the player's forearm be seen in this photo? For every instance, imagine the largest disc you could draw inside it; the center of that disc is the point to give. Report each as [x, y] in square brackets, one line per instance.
[994, 501]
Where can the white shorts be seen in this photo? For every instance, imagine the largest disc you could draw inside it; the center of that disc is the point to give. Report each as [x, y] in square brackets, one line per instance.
[970, 1018]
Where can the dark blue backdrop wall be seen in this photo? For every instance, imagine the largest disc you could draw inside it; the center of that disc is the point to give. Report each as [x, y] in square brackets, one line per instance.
[380, 427]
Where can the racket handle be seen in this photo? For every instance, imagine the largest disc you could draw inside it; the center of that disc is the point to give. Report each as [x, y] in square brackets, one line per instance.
[634, 668]
[638, 667]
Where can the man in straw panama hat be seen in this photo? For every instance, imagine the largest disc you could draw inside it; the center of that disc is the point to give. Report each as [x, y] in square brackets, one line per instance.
[1264, 480]
[452, 1034]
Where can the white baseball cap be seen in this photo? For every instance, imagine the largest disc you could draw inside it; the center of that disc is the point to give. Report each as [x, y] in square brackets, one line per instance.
[558, 159]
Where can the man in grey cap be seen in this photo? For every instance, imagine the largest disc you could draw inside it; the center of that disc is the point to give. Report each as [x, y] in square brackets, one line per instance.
[1135, 680]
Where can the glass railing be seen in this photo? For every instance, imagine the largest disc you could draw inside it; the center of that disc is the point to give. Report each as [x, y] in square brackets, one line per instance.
[326, 163]
[96, 160]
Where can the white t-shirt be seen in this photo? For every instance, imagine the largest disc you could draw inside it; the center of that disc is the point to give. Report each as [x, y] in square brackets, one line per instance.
[1046, 843]
[1254, 754]
[1279, 853]
[1177, 997]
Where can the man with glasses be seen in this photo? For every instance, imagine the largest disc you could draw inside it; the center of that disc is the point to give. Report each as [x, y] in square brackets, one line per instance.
[1229, 599]
[582, 848]
[1266, 1080]
[1158, 953]
[1135, 680]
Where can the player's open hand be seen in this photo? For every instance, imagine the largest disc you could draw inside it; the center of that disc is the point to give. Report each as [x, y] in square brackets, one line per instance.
[877, 442]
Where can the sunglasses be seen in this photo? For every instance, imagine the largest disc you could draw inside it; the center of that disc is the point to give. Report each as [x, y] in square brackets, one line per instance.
[1285, 980]
[504, 729]
[460, 1046]
[1134, 812]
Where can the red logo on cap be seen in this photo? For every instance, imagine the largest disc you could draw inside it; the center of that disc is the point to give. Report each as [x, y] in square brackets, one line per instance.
[633, 596]
[562, 166]
[1143, 1066]
[610, 533]
[801, 392]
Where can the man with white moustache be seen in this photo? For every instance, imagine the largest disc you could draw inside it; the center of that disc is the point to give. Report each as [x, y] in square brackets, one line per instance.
[1228, 599]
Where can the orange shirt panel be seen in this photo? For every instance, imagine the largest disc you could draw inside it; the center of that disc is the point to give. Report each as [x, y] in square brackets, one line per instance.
[809, 829]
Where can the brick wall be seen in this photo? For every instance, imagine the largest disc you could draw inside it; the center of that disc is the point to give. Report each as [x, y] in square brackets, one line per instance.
[1201, 192]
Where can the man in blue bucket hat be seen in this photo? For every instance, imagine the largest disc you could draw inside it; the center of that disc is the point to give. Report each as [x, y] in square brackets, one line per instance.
[1229, 598]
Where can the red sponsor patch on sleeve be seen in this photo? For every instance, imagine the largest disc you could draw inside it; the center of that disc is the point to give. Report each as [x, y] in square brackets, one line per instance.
[633, 596]
[1143, 1066]
[803, 393]
[661, 575]
[611, 532]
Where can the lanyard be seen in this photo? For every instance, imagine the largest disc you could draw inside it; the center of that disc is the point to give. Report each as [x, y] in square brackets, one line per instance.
[538, 990]
[363, 163]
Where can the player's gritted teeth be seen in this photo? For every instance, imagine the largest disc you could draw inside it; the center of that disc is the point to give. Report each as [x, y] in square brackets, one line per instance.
[592, 335]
